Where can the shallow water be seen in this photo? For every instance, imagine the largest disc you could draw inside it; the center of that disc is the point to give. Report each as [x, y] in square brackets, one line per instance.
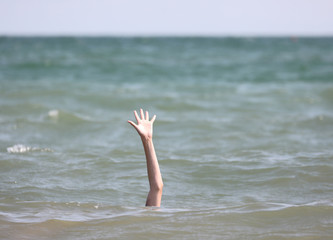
[243, 136]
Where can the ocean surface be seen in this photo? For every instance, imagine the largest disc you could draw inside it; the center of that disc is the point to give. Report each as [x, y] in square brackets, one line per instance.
[244, 138]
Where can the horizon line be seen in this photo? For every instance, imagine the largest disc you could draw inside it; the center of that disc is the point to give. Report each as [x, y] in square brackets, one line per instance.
[167, 35]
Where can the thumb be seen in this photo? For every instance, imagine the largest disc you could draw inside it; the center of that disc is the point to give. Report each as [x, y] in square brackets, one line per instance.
[132, 123]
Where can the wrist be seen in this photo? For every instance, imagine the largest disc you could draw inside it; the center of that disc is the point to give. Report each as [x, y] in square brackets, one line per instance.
[146, 139]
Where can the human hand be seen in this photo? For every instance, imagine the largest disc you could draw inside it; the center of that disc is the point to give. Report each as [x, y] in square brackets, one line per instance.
[144, 126]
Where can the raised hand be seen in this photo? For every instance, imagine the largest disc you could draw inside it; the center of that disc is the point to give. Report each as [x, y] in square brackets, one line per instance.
[144, 126]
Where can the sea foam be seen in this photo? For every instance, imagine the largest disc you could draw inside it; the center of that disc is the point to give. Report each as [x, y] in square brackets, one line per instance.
[20, 148]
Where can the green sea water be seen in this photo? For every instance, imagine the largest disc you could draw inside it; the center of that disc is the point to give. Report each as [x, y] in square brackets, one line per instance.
[244, 138]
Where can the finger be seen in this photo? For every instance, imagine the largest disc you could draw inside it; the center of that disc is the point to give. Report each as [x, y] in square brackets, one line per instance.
[136, 116]
[153, 119]
[132, 123]
[142, 116]
[147, 116]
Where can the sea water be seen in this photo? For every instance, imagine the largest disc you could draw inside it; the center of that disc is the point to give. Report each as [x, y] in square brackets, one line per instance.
[244, 138]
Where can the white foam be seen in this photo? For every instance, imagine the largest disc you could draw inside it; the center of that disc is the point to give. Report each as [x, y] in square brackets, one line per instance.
[20, 148]
[53, 113]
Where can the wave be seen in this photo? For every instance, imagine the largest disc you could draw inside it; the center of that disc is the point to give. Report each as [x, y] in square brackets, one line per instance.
[114, 222]
[38, 212]
[60, 116]
[20, 148]
[35, 211]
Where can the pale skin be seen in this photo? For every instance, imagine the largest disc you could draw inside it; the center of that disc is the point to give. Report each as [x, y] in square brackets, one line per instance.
[144, 127]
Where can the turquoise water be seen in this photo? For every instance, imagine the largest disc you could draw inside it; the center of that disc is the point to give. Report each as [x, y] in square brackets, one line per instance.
[244, 137]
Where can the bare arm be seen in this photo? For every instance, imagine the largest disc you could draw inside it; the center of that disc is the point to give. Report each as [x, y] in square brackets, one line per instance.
[144, 127]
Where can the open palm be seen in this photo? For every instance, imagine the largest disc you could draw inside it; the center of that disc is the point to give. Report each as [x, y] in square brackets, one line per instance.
[144, 126]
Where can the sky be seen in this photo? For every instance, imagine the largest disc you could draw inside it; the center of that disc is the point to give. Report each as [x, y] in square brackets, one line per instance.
[167, 17]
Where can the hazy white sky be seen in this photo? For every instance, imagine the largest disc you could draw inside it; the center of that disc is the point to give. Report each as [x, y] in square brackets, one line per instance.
[167, 17]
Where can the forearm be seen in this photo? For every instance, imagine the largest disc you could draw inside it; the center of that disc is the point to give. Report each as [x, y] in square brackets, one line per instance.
[144, 127]
[154, 174]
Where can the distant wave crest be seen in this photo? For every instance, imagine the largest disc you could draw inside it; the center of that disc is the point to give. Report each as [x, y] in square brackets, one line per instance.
[20, 148]
[59, 116]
